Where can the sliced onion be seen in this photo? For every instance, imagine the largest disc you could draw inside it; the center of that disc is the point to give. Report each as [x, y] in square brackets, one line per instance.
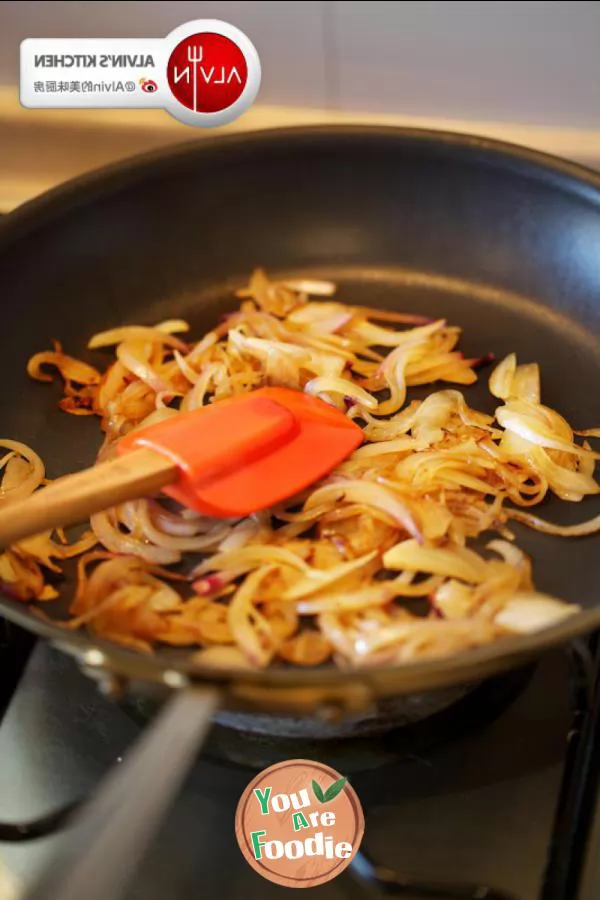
[526, 383]
[322, 318]
[321, 387]
[281, 361]
[386, 337]
[309, 648]
[582, 529]
[455, 563]
[501, 378]
[311, 286]
[135, 358]
[436, 471]
[509, 553]
[245, 622]
[23, 473]
[589, 432]
[526, 422]
[371, 495]
[202, 348]
[375, 595]
[316, 580]
[20, 576]
[270, 296]
[137, 334]
[186, 369]
[179, 523]
[529, 612]
[383, 448]
[247, 558]
[70, 369]
[239, 535]
[116, 541]
[181, 544]
[454, 600]
[44, 550]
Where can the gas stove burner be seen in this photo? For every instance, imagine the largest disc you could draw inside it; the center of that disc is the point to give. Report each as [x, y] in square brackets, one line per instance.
[356, 753]
[387, 882]
[353, 751]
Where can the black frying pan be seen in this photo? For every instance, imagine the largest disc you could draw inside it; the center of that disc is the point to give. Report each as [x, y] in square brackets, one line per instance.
[502, 241]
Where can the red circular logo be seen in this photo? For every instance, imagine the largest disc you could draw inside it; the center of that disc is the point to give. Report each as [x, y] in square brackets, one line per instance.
[207, 72]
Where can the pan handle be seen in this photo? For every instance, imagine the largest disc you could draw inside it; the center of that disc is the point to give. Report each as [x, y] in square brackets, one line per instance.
[108, 837]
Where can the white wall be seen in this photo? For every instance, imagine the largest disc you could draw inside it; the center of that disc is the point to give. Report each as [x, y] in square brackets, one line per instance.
[531, 62]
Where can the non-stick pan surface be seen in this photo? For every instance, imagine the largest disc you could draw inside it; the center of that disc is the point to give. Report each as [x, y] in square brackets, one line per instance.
[501, 241]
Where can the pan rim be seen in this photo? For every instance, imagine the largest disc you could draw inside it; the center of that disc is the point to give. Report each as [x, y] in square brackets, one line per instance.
[468, 666]
[410, 677]
[570, 176]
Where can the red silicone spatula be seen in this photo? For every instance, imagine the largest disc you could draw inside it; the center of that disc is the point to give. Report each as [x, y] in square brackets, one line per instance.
[227, 459]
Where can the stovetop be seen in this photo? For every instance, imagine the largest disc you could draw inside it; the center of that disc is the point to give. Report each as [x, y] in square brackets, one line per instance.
[479, 808]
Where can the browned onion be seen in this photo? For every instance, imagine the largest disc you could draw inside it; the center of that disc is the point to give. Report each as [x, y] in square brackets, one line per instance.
[393, 522]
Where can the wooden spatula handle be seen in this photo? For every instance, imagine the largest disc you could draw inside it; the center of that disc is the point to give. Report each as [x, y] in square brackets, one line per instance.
[74, 498]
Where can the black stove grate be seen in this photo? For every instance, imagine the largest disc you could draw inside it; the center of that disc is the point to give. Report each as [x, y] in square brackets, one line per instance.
[568, 848]
[15, 648]
[575, 809]
[578, 795]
